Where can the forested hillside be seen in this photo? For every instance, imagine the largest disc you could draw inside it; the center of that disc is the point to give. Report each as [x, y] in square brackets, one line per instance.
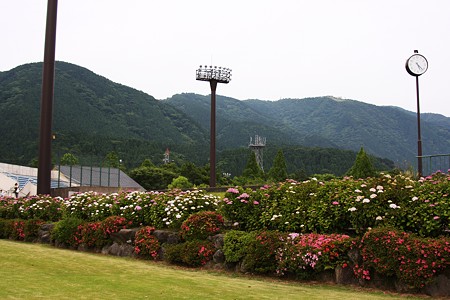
[383, 131]
[94, 116]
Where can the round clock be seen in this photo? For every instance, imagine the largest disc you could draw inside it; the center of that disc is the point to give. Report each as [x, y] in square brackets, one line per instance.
[416, 65]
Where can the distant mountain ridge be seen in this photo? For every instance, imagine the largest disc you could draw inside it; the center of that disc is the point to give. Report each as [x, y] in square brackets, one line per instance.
[383, 131]
[93, 116]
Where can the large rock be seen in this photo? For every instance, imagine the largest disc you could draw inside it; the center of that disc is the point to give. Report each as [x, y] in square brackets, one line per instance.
[345, 275]
[118, 249]
[219, 257]
[167, 236]
[440, 287]
[44, 233]
[124, 236]
[218, 240]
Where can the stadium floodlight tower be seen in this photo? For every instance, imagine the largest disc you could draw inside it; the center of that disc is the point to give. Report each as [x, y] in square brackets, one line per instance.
[213, 75]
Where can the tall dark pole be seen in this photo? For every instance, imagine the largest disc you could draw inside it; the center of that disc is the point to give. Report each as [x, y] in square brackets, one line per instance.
[417, 65]
[213, 75]
[45, 133]
[419, 138]
[212, 145]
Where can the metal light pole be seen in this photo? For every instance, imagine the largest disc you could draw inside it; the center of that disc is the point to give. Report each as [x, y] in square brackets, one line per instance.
[213, 75]
[416, 65]
[48, 74]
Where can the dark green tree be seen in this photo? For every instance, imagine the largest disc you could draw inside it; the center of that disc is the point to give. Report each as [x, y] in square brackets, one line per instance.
[112, 160]
[147, 163]
[153, 178]
[69, 159]
[180, 182]
[252, 170]
[363, 167]
[194, 174]
[278, 172]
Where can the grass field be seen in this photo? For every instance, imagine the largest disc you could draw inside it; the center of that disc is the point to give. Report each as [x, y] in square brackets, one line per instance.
[34, 271]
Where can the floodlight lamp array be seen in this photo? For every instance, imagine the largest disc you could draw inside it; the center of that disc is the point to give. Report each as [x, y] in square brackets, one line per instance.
[219, 74]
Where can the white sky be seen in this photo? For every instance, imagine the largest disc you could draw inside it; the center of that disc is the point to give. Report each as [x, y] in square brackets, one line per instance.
[354, 49]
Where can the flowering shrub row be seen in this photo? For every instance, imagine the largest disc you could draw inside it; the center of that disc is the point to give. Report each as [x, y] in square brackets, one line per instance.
[73, 231]
[335, 206]
[294, 254]
[413, 260]
[20, 230]
[302, 255]
[157, 209]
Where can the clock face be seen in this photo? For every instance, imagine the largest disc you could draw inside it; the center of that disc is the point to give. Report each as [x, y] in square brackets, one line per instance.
[416, 65]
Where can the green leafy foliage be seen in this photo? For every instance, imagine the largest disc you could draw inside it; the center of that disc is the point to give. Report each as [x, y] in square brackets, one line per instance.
[236, 244]
[180, 182]
[65, 231]
[153, 178]
[68, 159]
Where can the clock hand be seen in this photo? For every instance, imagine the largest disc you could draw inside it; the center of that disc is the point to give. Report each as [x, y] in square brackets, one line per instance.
[419, 66]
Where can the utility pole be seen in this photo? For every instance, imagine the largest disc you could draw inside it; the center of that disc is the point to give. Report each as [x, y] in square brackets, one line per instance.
[48, 74]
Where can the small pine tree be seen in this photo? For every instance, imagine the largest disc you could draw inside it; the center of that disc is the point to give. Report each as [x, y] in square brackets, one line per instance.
[252, 170]
[278, 172]
[362, 167]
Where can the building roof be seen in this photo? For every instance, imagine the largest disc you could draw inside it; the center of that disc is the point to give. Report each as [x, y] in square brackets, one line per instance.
[97, 176]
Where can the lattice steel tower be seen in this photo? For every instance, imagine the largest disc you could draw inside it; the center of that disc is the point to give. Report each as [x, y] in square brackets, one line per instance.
[257, 146]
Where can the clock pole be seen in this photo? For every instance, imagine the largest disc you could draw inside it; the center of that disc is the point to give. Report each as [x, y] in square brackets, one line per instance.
[419, 138]
[416, 65]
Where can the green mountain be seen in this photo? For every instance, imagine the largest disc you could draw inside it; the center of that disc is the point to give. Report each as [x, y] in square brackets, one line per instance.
[94, 116]
[383, 131]
[91, 116]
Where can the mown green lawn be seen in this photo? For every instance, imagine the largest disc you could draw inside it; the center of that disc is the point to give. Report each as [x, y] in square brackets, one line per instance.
[34, 271]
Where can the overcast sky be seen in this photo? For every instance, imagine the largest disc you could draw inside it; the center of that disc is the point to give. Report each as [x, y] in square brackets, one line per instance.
[354, 49]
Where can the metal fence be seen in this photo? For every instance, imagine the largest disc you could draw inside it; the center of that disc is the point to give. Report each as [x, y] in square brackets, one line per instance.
[434, 163]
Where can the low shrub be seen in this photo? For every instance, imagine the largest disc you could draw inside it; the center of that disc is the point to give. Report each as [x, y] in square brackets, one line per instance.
[114, 224]
[5, 228]
[199, 226]
[18, 230]
[193, 253]
[146, 244]
[91, 234]
[261, 252]
[65, 231]
[31, 229]
[235, 245]
[306, 254]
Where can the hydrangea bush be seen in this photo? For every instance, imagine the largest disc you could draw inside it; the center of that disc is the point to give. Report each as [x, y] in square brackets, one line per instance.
[201, 225]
